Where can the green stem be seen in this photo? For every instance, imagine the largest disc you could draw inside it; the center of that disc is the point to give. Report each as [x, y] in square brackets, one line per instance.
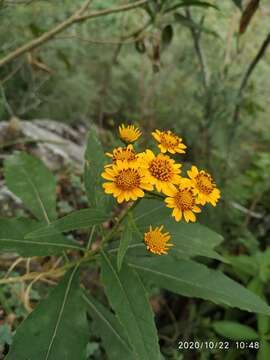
[152, 195]
[65, 256]
[91, 237]
[89, 255]
[118, 223]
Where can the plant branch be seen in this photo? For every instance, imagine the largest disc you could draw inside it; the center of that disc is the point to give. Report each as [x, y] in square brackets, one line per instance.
[89, 255]
[77, 17]
[111, 11]
[199, 51]
[32, 275]
[239, 97]
[11, 74]
[118, 223]
[84, 7]
[5, 101]
[125, 39]
[248, 74]
[98, 41]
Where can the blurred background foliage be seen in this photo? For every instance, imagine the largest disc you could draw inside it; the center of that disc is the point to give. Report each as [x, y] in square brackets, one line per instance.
[170, 67]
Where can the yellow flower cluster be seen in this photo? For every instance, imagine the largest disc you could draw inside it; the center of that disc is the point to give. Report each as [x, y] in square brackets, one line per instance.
[131, 174]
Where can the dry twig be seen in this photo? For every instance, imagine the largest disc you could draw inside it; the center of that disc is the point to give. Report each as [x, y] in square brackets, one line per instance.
[79, 16]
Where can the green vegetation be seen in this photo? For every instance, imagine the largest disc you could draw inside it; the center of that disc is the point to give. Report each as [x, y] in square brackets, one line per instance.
[76, 257]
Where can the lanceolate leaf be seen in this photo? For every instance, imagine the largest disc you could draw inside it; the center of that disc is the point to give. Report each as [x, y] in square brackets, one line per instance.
[264, 352]
[128, 298]
[185, 3]
[110, 330]
[125, 240]
[29, 179]
[77, 220]
[189, 239]
[188, 278]
[234, 331]
[13, 231]
[57, 328]
[193, 25]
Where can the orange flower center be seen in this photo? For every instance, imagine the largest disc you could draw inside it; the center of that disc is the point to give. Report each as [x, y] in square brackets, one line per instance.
[184, 199]
[168, 140]
[128, 179]
[205, 183]
[124, 154]
[156, 241]
[161, 169]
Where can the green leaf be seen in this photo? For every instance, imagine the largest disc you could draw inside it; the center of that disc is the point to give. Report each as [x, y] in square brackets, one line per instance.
[264, 351]
[35, 29]
[189, 239]
[109, 329]
[125, 240]
[95, 160]
[192, 25]
[5, 335]
[244, 263]
[140, 46]
[29, 179]
[128, 298]
[62, 56]
[185, 3]
[263, 324]
[234, 331]
[80, 219]
[188, 278]
[57, 328]
[263, 260]
[91, 349]
[12, 239]
[166, 36]
[153, 8]
[238, 3]
[263, 321]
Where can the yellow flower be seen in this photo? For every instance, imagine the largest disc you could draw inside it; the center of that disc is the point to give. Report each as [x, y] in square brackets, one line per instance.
[204, 186]
[124, 154]
[170, 142]
[127, 181]
[161, 170]
[129, 133]
[183, 202]
[156, 242]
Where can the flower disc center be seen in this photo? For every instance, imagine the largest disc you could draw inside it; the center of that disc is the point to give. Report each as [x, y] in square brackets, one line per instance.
[205, 183]
[184, 200]
[169, 140]
[161, 169]
[128, 179]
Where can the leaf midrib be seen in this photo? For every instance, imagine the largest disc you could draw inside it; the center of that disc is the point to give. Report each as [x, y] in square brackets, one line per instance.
[41, 243]
[106, 321]
[147, 213]
[61, 312]
[43, 209]
[56, 227]
[128, 301]
[182, 234]
[184, 281]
